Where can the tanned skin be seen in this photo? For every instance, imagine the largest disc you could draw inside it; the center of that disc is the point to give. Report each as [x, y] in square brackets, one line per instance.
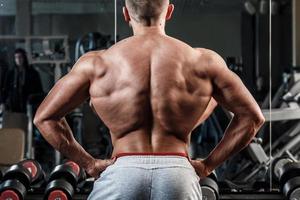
[151, 91]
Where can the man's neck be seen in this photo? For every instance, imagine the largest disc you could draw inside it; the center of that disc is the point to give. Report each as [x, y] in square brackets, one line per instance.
[145, 30]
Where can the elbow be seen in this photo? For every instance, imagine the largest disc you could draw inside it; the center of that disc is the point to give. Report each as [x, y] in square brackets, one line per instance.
[38, 120]
[252, 122]
[259, 120]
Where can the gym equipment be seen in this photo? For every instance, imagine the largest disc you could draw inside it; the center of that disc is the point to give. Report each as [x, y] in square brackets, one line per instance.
[291, 189]
[63, 181]
[77, 125]
[287, 109]
[35, 169]
[18, 179]
[277, 165]
[209, 187]
[256, 151]
[91, 41]
[287, 173]
[293, 94]
[281, 114]
[289, 179]
[254, 167]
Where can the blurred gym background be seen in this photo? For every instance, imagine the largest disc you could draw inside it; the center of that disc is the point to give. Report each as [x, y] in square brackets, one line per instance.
[53, 34]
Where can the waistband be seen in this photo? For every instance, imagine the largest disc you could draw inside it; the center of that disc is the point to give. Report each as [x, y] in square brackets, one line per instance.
[152, 154]
[177, 159]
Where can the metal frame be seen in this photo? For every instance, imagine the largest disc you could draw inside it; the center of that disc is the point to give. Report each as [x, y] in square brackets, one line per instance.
[28, 48]
[281, 114]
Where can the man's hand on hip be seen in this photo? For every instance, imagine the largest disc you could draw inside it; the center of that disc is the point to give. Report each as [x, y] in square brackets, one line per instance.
[200, 168]
[98, 166]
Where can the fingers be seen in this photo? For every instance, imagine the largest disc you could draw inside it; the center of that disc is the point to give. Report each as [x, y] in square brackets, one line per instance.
[196, 162]
[193, 162]
[106, 163]
[111, 161]
[100, 166]
[199, 168]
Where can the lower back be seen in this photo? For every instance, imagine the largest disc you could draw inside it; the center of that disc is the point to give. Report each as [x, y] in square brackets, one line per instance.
[150, 99]
[142, 141]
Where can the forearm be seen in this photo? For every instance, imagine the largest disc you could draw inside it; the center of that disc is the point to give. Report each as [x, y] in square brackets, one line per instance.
[59, 135]
[237, 136]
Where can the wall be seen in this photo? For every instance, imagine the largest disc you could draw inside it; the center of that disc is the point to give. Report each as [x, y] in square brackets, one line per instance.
[7, 25]
[217, 30]
[220, 32]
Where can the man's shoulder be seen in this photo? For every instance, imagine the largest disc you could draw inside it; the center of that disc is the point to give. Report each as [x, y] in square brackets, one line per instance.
[87, 61]
[91, 58]
[210, 56]
[206, 52]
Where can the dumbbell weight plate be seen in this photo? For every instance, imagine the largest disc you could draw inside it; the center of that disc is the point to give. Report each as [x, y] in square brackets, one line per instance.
[295, 195]
[287, 172]
[35, 169]
[277, 164]
[59, 185]
[210, 188]
[77, 169]
[57, 195]
[292, 187]
[9, 195]
[208, 193]
[66, 172]
[20, 173]
[213, 176]
[12, 190]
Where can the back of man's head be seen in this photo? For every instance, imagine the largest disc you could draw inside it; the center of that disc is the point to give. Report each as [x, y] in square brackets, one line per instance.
[146, 11]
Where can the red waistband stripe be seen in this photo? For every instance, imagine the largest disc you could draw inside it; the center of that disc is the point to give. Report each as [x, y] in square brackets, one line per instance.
[152, 154]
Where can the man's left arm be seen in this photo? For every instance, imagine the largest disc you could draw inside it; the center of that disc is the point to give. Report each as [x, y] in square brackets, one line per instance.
[67, 94]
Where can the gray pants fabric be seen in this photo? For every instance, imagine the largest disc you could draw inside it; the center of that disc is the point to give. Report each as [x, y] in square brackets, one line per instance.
[149, 178]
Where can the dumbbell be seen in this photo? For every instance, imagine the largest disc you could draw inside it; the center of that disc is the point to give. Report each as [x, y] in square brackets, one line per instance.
[287, 172]
[209, 187]
[289, 180]
[18, 179]
[63, 181]
[277, 165]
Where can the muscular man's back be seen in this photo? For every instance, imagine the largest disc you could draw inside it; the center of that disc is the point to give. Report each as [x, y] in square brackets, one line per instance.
[150, 91]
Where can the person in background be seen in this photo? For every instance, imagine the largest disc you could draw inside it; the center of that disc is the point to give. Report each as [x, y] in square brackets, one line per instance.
[20, 82]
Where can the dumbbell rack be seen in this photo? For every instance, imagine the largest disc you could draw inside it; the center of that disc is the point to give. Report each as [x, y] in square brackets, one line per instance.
[38, 194]
[252, 196]
[72, 173]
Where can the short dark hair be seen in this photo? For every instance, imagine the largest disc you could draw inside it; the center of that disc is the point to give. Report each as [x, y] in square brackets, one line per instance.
[24, 54]
[145, 11]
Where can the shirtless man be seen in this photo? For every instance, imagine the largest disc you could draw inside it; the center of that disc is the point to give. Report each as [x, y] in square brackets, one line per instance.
[151, 90]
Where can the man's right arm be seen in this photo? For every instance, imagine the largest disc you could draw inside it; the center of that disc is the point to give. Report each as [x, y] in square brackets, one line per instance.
[230, 92]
